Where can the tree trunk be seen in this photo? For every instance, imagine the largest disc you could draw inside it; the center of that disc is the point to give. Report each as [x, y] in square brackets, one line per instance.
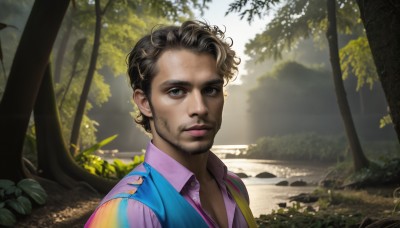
[359, 159]
[54, 160]
[382, 24]
[23, 84]
[89, 77]
[49, 139]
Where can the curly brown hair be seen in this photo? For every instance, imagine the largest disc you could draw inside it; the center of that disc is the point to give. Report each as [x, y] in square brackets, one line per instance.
[196, 36]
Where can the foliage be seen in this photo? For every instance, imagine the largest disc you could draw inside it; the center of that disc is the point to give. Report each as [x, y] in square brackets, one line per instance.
[122, 169]
[257, 8]
[384, 160]
[385, 120]
[98, 166]
[356, 58]
[301, 216]
[307, 146]
[381, 151]
[378, 173]
[293, 20]
[334, 208]
[17, 199]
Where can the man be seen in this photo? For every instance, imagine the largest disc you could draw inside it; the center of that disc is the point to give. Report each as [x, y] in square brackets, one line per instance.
[178, 74]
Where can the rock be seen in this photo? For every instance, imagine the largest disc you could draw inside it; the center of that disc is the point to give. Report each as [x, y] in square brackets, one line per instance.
[282, 183]
[304, 198]
[298, 183]
[265, 175]
[242, 175]
[282, 205]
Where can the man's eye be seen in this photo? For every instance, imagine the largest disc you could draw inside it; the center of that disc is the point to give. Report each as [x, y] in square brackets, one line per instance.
[211, 91]
[176, 92]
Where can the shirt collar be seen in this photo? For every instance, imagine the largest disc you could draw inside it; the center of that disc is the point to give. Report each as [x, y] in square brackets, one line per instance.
[177, 174]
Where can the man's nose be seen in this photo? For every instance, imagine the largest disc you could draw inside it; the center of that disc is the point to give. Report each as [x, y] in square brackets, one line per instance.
[197, 104]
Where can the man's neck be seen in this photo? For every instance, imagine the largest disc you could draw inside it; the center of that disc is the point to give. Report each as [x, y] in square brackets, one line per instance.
[196, 163]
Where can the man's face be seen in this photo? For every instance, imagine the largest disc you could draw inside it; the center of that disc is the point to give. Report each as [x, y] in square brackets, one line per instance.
[186, 102]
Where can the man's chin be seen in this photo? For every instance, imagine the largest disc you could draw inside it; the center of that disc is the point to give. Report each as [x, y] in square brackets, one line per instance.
[197, 149]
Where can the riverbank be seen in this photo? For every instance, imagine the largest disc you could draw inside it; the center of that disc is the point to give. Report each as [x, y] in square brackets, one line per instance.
[71, 208]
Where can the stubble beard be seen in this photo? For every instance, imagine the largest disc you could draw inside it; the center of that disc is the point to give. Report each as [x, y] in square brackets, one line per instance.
[162, 129]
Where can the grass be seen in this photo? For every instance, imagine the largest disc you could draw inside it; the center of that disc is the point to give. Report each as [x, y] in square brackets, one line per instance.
[336, 208]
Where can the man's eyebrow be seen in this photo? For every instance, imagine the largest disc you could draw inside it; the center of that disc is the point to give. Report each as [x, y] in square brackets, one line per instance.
[175, 83]
[215, 82]
[186, 83]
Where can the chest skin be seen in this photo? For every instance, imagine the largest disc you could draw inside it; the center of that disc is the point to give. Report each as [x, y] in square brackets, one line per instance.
[213, 203]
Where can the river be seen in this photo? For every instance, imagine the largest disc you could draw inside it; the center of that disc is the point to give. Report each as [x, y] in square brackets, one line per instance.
[264, 194]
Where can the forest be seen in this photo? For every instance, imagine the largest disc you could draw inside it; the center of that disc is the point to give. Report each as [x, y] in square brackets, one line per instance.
[321, 85]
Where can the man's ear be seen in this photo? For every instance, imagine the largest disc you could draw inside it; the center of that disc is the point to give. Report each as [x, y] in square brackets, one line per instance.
[140, 99]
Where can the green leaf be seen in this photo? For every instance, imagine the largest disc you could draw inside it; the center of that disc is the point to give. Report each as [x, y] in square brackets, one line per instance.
[90, 169]
[22, 205]
[11, 190]
[99, 145]
[118, 164]
[7, 218]
[34, 190]
[5, 183]
[26, 204]
[17, 192]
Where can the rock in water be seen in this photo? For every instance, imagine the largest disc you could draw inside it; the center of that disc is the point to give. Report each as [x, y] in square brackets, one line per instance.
[298, 183]
[282, 183]
[265, 175]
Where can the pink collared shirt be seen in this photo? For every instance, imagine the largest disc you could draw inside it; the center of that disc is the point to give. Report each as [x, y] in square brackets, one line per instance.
[183, 180]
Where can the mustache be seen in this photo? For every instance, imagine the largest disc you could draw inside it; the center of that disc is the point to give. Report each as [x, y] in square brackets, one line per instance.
[196, 125]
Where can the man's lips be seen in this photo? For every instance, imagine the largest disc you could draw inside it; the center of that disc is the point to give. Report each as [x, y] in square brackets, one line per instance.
[198, 130]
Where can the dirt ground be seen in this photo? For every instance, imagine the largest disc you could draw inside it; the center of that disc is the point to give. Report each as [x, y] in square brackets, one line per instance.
[71, 208]
[64, 208]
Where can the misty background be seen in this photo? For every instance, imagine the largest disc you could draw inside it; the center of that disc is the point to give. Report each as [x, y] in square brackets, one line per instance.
[270, 98]
[291, 96]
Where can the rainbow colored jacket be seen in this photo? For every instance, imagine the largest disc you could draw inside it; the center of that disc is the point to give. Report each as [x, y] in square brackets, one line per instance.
[171, 209]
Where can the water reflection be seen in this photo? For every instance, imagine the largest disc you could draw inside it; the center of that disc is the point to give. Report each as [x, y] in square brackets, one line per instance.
[310, 172]
[264, 195]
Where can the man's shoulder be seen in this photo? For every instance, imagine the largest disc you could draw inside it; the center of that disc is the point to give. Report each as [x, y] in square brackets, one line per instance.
[126, 212]
[127, 185]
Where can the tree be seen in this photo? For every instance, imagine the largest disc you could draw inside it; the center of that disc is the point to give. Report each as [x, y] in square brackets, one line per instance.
[54, 159]
[359, 159]
[88, 81]
[24, 80]
[295, 20]
[381, 20]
